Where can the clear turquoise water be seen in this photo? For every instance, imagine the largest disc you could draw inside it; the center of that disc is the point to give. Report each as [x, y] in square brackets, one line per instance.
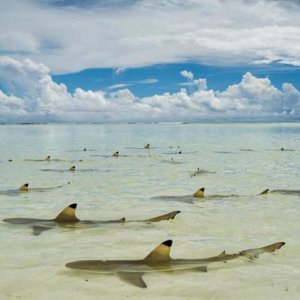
[32, 267]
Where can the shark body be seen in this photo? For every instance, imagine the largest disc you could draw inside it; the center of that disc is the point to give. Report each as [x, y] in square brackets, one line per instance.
[25, 189]
[281, 191]
[159, 260]
[67, 218]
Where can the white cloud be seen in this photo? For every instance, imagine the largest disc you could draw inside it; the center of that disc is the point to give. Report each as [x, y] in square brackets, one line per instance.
[149, 32]
[118, 86]
[31, 95]
[187, 74]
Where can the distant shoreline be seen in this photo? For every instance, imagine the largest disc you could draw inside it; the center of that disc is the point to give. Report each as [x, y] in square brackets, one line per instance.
[160, 122]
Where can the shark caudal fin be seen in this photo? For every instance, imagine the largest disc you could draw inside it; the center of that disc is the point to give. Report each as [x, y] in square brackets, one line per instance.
[273, 247]
[116, 154]
[147, 146]
[68, 214]
[254, 253]
[160, 253]
[72, 168]
[24, 187]
[265, 192]
[165, 217]
[199, 193]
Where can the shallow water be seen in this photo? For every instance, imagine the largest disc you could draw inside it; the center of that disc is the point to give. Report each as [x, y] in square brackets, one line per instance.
[32, 267]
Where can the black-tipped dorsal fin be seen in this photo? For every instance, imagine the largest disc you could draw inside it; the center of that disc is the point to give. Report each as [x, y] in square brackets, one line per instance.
[68, 214]
[199, 193]
[133, 278]
[160, 253]
[24, 187]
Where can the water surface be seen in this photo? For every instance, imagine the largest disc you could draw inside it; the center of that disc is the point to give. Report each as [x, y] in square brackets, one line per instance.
[243, 159]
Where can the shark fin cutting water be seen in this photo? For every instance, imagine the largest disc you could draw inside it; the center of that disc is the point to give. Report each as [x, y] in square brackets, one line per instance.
[68, 218]
[159, 260]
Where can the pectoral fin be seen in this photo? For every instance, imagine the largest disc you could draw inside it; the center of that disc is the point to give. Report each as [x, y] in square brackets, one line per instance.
[37, 230]
[133, 278]
[202, 269]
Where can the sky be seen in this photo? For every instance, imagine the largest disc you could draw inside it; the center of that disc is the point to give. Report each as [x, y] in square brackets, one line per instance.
[148, 60]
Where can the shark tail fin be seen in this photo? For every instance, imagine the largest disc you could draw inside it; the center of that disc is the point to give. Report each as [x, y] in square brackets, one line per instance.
[24, 187]
[254, 253]
[273, 247]
[68, 214]
[265, 192]
[168, 216]
[160, 253]
[199, 193]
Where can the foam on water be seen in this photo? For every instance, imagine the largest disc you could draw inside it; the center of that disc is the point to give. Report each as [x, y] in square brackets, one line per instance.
[32, 267]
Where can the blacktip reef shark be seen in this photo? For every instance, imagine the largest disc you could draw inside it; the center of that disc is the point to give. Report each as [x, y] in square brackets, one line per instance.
[68, 218]
[71, 169]
[201, 172]
[281, 191]
[39, 160]
[25, 188]
[159, 260]
[199, 194]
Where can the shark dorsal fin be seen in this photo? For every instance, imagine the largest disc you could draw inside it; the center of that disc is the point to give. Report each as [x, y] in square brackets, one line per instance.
[160, 253]
[72, 169]
[116, 154]
[264, 192]
[24, 187]
[68, 214]
[199, 193]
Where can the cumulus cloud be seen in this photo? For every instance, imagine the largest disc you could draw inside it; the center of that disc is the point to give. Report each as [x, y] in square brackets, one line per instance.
[31, 95]
[72, 36]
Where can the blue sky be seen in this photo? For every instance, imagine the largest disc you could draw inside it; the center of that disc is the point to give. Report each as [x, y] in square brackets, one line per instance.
[165, 78]
[149, 60]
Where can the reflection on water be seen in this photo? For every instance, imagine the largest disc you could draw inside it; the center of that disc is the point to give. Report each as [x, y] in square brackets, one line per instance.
[110, 188]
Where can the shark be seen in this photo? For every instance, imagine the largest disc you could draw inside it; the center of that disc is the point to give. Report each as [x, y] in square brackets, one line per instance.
[159, 260]
[281, 191]
[201, 172]
[67, 218]
[200, 194]
[25, 188]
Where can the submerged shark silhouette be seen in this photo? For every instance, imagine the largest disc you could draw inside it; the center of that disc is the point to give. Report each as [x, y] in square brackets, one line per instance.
[200, 194]
[159, 260]
[281, 191]
[68, 218]
[191, 198]
[25, 188]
